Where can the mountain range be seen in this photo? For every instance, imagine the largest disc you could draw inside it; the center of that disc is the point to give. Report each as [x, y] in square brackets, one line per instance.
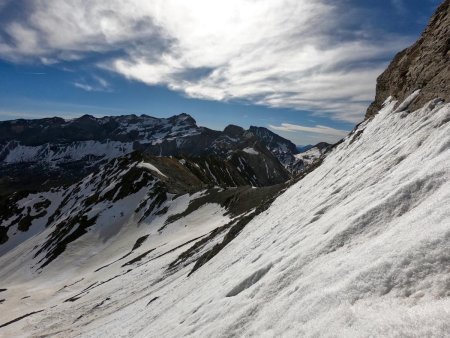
[45, 162]
[55, 151]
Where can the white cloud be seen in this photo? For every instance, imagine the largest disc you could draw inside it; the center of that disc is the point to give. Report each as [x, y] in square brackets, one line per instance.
[280, 53]
[318, 129]
[85, 87]
[98, 84]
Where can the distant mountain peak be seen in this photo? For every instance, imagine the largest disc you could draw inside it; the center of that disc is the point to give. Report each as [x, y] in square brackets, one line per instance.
[184, 118]
[233, 130]
[273, 139]
[86, 117]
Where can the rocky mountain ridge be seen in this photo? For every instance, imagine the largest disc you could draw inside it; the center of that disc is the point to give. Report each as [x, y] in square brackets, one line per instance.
[54, 151]
[54, 172]
[425, 66]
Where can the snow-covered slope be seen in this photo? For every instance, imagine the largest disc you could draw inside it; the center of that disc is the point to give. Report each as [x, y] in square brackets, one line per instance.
[360, 247]
[57, 141]
[308, 157]
[132, 189]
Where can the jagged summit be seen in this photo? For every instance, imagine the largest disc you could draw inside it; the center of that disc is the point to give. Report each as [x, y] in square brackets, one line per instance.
[425, 66]
[272, 139]
[87, 127]
[233, 130]
[184, 118]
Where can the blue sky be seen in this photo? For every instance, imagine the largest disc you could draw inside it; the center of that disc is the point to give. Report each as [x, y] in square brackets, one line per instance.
[306, 69]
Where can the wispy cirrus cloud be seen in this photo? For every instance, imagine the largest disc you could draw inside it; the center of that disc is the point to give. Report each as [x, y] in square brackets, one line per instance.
[299, 54]
[317, 129]
[97, 84]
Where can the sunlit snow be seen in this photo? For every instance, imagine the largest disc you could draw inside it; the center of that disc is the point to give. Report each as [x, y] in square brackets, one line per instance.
[359, 247]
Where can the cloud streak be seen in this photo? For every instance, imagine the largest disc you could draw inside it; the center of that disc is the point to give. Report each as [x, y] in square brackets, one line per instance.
[318, 129]
[297, 54]
[97, 85]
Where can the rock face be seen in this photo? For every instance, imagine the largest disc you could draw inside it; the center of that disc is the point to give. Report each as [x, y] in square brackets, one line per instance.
[125, 128]
[425, 65]
[283, 149]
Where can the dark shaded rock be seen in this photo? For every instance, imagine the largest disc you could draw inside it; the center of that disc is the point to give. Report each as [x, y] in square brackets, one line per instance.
[249, 281]
[139, 242]
[273, 140]
[138, 258]
[235, 228]
[20, 318]
[152, 300]
[3, 234]
[233, 131]
[283, 149]
[322, 145]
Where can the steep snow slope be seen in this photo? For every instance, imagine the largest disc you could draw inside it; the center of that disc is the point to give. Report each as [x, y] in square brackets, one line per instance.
[359, 247]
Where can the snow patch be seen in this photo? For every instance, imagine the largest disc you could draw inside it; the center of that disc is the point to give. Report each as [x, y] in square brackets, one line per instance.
[151, 167]
[251, 151]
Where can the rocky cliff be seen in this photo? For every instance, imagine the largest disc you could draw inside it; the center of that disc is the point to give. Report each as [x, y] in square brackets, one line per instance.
[425, 66]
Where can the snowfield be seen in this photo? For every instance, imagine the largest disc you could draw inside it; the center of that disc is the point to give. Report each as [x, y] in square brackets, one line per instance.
[66, 153]
[251, 151]
[151, 167]
[309, 156]
[359, 248]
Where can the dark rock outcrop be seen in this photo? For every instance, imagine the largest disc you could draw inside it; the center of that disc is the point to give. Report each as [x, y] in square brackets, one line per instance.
[425, 65]
[282, 148]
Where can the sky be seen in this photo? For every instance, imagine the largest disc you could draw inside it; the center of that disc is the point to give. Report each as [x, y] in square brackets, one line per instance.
[306, 69]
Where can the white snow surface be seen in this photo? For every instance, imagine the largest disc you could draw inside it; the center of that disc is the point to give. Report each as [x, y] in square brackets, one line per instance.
[251, 151]
[150, 131]
[151, 167]
[66, 153]
[309, 156]
[358, 248]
